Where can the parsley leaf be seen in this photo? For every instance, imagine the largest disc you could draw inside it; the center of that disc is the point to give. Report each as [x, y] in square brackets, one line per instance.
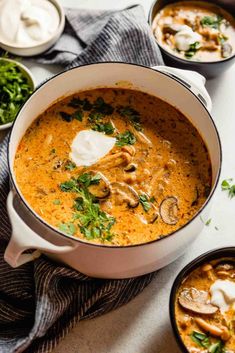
[14, 90]
[125, 138]
[70, 165]
[144, 201]
[102, 107]
[192, 50]
[211, 21]
[107, 128]
[68, 228]
[93, 222]
[227, 186]
[132, 115]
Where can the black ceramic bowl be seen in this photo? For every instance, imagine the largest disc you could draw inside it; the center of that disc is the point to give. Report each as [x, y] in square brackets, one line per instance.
[207, 68]
[221, 253]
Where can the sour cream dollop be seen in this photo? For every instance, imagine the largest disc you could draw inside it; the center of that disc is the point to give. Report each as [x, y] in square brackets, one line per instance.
[185, 37]
[89, 146]
[223, 294]
[26, 23]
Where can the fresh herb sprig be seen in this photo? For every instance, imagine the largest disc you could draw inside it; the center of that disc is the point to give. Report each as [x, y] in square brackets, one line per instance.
[212, 21]
[14, 90]
[92, 221]
[132, 115]
[125, 138]
[227, 185]
[192, 50]
[145, 202]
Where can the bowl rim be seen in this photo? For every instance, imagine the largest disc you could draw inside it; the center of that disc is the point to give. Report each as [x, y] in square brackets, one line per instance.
[178, 58]
[43, 222]
[224, 252]
[29, 75]
[58, 31]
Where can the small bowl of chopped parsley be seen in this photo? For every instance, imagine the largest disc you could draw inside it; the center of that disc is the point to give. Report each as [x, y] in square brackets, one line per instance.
[16, 85]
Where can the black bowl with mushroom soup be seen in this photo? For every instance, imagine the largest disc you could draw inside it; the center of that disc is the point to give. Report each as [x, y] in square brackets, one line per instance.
[195, 35]
[202, 303]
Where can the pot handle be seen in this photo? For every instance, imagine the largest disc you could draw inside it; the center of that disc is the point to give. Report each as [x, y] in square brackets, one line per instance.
[24, 238]
[191, 79]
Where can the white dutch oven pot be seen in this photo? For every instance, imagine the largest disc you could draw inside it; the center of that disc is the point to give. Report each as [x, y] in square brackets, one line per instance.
[29, 231]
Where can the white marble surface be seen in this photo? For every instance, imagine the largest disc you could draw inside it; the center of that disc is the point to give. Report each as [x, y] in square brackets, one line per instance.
[143, 325]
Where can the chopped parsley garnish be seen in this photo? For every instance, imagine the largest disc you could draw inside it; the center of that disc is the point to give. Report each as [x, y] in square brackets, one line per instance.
[68, 228]
[56, 202]
[132, 115]
[78, 115]
[14, 90]
[208, 222]
[144, 201]
[204, 341]
[70, 165]
[92, 221]
[125, 138]
[53, 151]
[192, 50]
[66, 117]
[100, 106]
[107, 128]
[80, 103]
[227, 186]
[211, 21]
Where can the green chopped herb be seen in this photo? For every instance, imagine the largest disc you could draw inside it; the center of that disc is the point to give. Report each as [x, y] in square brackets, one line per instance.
[217, 347]
[212, 21]
[14, 90]
[88, 179]
[100, 106]
[144, 201]
[227, 186]
[107, 128]
[70, 165]
[152, 199]
[93, 222]
[68, 228]
[125, 138]
[78, 115]
[66, 117]
[53, 150]
[56, 202]
[192, 50]
[132, 115]
[208, 222]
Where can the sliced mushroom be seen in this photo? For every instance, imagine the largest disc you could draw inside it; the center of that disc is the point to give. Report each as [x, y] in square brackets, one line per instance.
[139, 135]
[130, 168]
[114, 160]
[226, 50]
[197, 301]
[102, 189]
[171, 28]
[221, 332]
[225, 266]
[126, 193]
[169, 210]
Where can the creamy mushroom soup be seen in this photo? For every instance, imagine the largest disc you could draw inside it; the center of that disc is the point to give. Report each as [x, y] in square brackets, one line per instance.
[196, 31]
[205, 308]
[113, 166]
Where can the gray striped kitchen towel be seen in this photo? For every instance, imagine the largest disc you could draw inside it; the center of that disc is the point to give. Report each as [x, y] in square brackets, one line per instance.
[41, 301]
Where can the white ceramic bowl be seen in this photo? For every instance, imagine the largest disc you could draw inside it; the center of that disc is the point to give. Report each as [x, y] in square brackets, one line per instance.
[29, 231]
[30, 80]
[40, 48]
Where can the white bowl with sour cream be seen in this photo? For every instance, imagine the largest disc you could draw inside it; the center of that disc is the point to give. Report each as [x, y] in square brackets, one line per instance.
[35, 25]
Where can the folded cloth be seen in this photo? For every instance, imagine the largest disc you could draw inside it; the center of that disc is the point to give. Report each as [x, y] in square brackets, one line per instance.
[92, 36]
[41, 300]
